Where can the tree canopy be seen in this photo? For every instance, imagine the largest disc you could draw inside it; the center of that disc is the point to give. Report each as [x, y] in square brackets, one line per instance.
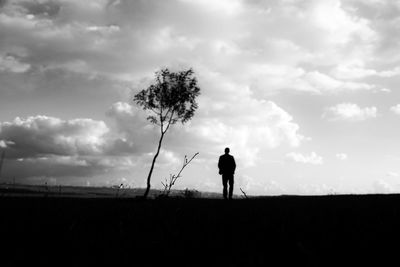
[171, 98]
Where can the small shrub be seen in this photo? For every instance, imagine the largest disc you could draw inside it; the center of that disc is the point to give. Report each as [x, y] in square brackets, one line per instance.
[172, 179]
[191, 193]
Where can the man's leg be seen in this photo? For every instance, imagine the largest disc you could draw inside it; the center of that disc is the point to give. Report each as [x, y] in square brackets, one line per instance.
[231, 182]
[225, 185]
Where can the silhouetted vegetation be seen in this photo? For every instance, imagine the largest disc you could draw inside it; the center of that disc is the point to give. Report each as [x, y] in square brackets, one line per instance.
[168, 184]
[188, 193]
[2, 161]
[170, 99]
[244, 193]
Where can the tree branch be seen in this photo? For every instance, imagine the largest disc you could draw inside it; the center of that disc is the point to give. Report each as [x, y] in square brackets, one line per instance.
[172, 178]
[169, 121]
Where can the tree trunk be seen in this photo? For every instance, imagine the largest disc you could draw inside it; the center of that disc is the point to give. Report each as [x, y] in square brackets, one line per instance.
[152, 167]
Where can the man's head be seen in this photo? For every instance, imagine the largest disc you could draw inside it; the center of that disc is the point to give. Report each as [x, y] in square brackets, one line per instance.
[227, 150]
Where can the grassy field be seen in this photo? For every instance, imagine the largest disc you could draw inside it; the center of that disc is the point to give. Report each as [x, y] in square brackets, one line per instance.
[300, 230]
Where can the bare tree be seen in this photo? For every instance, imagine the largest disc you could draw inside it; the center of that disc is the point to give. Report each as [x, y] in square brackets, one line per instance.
[168, 184]
[171, 98]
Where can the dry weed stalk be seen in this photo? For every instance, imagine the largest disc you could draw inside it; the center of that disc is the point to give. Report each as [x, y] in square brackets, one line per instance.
[244, 193]
[173, 177]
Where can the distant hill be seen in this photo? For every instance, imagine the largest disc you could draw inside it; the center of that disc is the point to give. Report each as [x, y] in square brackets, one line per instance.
[23, 190]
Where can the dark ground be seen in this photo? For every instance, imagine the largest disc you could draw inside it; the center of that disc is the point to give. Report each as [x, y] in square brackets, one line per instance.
[311, 231]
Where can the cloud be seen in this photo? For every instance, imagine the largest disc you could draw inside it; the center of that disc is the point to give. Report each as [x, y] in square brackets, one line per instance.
[320, 82]
[382, 187]
[386, 90]
[316, 189]
[253, 186]
[6, 143]
[357, 70]
[42, 135]
[396, 109]
[251, 122]
[53, 147]
[341, 25]
[43, 145]
[277, 77]
[230, 116]
[313, 158]
[342, 156]
[52, 166]
[172, 32]
[71, 161]
[131, 125]
[349, 112]
[392, 174]
[10, 63]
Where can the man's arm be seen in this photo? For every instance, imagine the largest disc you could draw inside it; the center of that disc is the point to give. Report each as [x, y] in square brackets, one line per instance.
[220, 165]
[234, 164]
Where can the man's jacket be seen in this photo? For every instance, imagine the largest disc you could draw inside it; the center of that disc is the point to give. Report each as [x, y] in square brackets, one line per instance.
[226, 164]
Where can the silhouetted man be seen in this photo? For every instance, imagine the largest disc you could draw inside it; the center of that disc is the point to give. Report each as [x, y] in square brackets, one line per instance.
[227, 166]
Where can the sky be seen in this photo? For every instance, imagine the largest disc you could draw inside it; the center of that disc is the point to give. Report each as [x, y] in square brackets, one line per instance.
[303, 92]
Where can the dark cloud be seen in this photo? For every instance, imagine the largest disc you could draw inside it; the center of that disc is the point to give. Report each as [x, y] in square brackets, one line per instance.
[42, 135]
[51, 147]
[130, 122]
[51, 166]
[42, 9]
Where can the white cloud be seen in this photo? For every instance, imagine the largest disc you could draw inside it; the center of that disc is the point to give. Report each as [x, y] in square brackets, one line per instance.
[392, 174]
[246, 127]
[357, 70]
[72, 161]
[278, 77]
[168, 158]
[260, 122]
[350, 112]
[253, 186]
[382, 187]
[5, 143]
[229, 115]
[342, 156]
[316, 189]
[10, 63]
[341, 26]
[352, 70]
[396, 109]
[386, 90]
[106, 30]
[320, 82]
[121, 109]
[390, 73]
[313, 158]
[228, 7]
